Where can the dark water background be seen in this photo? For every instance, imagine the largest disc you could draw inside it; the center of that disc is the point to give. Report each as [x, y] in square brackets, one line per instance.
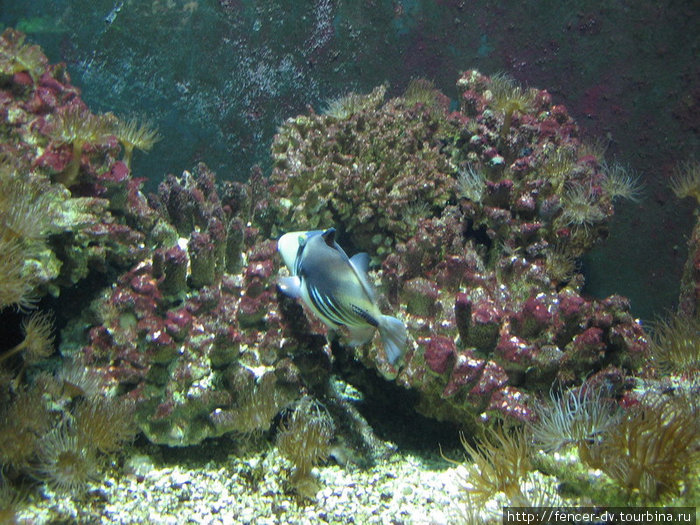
[218, 76]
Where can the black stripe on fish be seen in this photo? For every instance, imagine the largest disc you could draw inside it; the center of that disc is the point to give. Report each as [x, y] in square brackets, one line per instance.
[322, 307]
[364, 315]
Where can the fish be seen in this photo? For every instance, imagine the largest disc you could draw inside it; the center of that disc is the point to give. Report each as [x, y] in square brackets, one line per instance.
[337, 290]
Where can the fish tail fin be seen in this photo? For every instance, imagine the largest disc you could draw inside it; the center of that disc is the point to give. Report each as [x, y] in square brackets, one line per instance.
[394, 337]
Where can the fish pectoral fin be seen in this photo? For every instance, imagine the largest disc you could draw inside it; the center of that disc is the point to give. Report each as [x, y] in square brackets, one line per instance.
[290, 286]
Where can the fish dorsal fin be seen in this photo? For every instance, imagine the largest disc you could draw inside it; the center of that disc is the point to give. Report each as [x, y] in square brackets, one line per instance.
[360, 264]
[329, 237]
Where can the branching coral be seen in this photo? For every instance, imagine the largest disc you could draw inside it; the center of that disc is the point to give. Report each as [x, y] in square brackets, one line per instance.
[134, 134]
[304, 439]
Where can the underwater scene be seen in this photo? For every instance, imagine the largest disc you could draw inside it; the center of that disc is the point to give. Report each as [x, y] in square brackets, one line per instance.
[331, 261]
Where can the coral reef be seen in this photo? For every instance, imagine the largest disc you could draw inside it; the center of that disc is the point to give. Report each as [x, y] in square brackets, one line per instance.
[474, 220]
[67, 206]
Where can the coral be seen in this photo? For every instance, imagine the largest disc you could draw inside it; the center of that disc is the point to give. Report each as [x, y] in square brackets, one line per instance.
[304, 439]
[675, 344]
[52, 237]
[474, 220]
[199, 350]
[16, 56]
[686, 180]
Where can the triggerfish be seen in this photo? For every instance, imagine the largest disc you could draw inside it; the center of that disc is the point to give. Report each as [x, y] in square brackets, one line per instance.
[337, 290]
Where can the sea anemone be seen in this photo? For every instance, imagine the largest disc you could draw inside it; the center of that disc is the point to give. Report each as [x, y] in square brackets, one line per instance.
[76, 126]
[106, 424]
[508, 97]
[16, 56]
[10, 501]
[344, 107]
[23, 209]
[572, 418]
[686, 180]
[580, 207]
[79, 380]
[675, 344]
[621, 182]
[134, 134]
[471, 184]
[21, 424]
[557, 165]
[254, 411]
[64, 462]
[16, 285]
[500, 459]
[561, 264]
[304, 439]
[653, 452]
[38, 339]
